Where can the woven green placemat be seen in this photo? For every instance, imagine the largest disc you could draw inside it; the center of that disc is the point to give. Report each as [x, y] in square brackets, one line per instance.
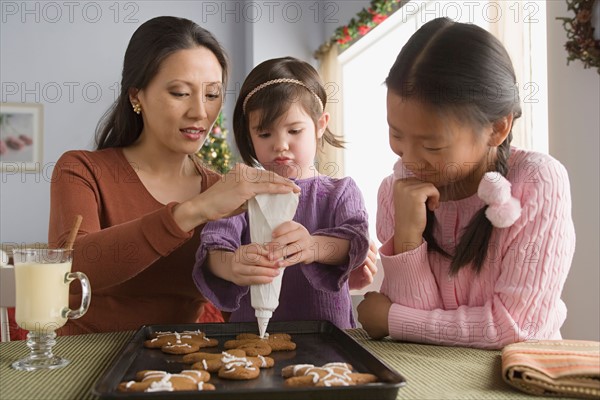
[442, 372]
[74, 381]
[431, 372]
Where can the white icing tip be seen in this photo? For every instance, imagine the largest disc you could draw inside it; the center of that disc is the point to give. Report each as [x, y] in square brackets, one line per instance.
[263, 323]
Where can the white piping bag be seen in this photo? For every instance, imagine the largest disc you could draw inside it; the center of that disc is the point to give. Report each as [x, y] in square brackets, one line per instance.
[265, 213]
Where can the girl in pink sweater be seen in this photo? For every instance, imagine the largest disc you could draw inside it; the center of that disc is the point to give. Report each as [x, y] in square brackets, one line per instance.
[477, 236]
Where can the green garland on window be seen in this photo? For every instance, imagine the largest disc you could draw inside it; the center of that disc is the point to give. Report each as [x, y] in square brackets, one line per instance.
[365, 20]
[581, 44]
[215, 152]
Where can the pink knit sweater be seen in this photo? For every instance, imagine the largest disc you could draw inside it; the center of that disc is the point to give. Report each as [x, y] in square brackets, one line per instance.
[516, 296]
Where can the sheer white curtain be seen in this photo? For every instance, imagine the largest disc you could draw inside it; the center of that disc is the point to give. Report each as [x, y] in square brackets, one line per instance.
[521, 27]
[330, 160]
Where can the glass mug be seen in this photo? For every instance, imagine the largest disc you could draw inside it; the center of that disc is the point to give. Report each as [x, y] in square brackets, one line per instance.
[42, 278]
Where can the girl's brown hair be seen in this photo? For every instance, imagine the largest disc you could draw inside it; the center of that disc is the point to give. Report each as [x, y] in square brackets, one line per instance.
[275, 100]
[463, 71]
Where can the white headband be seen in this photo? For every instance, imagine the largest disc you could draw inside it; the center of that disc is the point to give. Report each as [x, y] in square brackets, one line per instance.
[281, 80]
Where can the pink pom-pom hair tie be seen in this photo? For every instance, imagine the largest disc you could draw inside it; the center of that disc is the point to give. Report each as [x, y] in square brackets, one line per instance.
[503, 209]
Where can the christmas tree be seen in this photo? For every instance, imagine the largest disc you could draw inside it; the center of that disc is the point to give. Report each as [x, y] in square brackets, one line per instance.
[215, 152]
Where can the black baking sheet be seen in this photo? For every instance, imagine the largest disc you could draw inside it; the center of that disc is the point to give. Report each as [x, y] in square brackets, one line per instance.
[318, 342]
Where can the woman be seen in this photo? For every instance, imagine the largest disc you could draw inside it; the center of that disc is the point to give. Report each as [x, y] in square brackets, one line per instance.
[143, 194]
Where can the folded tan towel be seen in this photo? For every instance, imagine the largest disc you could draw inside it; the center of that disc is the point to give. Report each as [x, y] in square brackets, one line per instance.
[554, 367]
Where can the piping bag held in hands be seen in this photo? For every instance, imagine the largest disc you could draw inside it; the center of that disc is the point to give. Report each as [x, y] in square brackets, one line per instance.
[265, 213]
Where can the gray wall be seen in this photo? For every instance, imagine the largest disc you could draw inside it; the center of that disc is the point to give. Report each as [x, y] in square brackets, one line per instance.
[574, 124]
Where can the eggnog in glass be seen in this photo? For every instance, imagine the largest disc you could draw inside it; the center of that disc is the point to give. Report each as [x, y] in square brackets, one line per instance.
[42, 278]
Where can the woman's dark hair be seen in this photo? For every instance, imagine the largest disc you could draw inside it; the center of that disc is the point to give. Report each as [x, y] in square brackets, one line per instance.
[151, 43]
[463, 71]
[275, 100]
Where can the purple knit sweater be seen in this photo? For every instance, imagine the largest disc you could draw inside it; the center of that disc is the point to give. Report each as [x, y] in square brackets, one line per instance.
[327, 207]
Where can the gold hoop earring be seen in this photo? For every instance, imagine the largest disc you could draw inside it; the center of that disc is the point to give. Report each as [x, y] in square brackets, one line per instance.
[137, 108]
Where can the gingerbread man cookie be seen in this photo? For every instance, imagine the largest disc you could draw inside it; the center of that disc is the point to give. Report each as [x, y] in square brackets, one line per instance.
[212, 362]
[161, 381]
[253, 345]
[180, 342]
[331, 374]
[238, 368]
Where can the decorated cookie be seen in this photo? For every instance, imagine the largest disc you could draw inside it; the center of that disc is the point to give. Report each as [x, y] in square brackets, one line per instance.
[262, 362]
[294, 370]
[238, 368]
[180, 342]
[162, 381]
[212, 362]
[331, 374]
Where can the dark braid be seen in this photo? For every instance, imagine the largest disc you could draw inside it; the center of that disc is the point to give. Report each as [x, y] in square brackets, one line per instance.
[432, 244]
[474, 242]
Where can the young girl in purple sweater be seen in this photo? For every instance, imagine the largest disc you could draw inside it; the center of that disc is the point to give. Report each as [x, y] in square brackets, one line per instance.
[279, 120]
[477, 236]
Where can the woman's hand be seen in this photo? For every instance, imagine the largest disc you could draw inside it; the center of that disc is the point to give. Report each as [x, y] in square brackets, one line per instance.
[412, 197]
[363, 275]
[228, 196]
[373, 314]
